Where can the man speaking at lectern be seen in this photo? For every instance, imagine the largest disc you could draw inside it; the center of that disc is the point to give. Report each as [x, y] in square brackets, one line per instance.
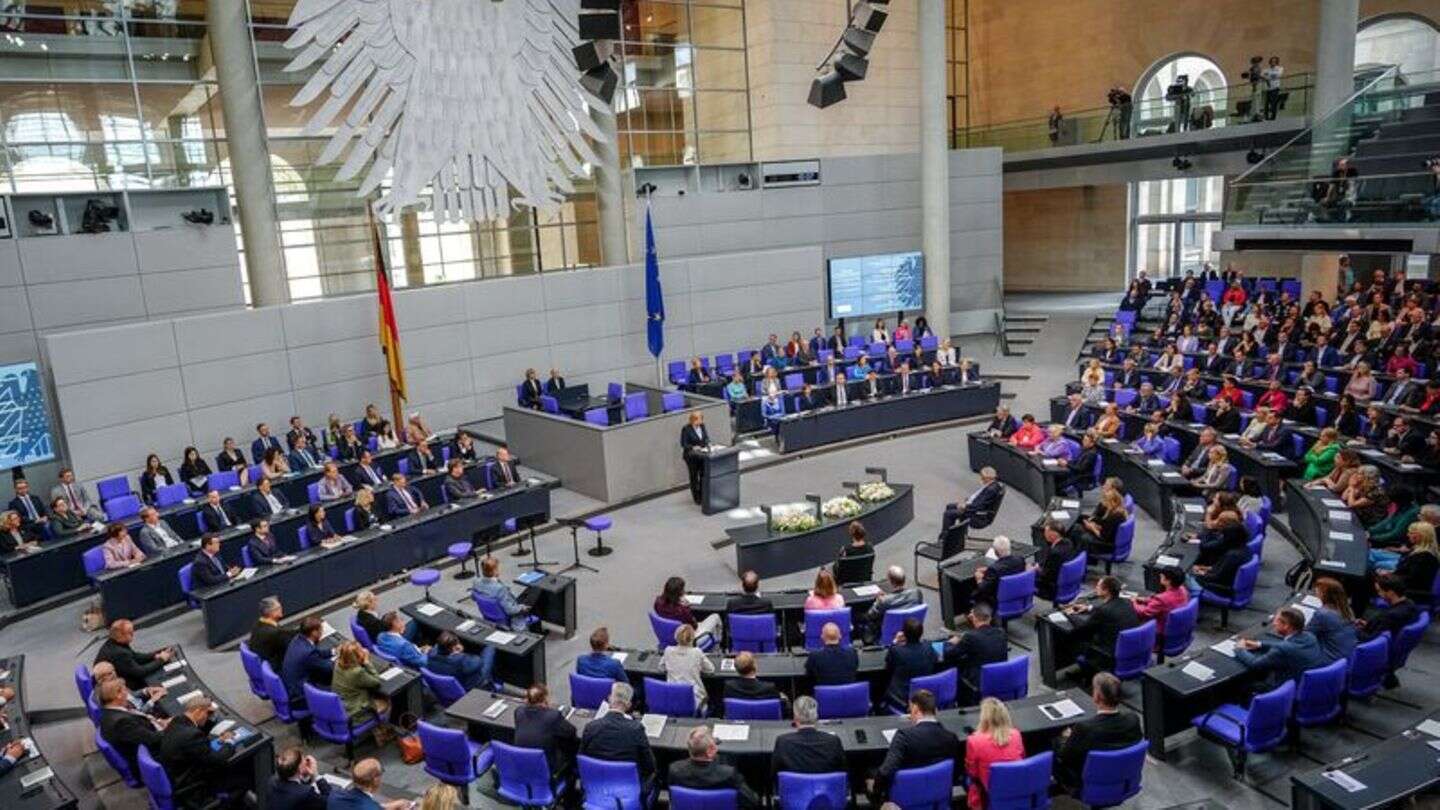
[693, 439]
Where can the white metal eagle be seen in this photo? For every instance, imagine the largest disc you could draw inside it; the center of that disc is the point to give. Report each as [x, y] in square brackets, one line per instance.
[465, 99]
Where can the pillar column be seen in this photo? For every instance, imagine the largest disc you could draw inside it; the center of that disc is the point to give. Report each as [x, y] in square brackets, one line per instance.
[1319, 271]
[609, 192]
[1334, 79]
[234, 56]
[934, 166]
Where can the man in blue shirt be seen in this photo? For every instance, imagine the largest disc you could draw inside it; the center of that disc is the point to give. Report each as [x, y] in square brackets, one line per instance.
[490, 587]
[392, 643]
[305, 662]
[449, 658]
[361, 795]
[1284, 660]
[597, 663]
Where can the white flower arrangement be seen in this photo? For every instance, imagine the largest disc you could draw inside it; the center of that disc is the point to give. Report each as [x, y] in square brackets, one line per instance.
[874, 491]
[840, 508]
[795, 522]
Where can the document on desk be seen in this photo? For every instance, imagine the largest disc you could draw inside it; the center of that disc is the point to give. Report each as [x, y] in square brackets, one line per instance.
[465, 626]
[889, 734]
[1058, 617]
[727, 665]
[694, 599]
[221, 727]
[1198, 671]
[30, 780]
[173, 666]
[1306, 610]
[1061, 710]
[1060, 514]
[188, 696]
[500, 637]
[1050, 462]
[1331, 564]
[1232, 436]
[1410, 466]
[1166, 559]
[654, 724]
[1344, 780]
[1337, 514]
[496, 709]
[1312, 600]
[1155, 462]
[620, 656]
[1226, 647]
[990, 554]
[868, 590]
[326, 630]
[735, 732]
[337, 781]
[1195, 508]
[1342, 536]
[171, 683]
[429, 609]
[1069, 503]
[391, 674]
[1171, 474]
[1270, 455]
[246, 573]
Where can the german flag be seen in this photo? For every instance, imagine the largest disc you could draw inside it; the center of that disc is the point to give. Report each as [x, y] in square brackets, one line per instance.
[389, 330]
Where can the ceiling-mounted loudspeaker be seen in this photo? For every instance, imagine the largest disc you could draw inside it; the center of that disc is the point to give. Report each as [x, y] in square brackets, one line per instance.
[826, 90]
[603, 25]
[870, 17]
[590, 55]
[600, 5]
[858, 41]
[851, 68]
[601, 82]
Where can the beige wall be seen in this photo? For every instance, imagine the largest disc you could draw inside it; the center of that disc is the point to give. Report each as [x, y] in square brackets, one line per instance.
[1065, 239]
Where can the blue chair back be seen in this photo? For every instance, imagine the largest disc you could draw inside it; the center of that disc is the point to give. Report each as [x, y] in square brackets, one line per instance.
[490, 610]
[1015, 595]
[186, 575]
[1072, 576]
[117, 762]
[1111, 778]
[1266, 723]
[597, 416]
[524, 775]
[812, 791]
[111, 488]
[794, 382]
[1023, 784]
[1124, 539]
[877, 350]
[610, 785]
[251, 662]
[156, 781]
[1006, 680]
[1170, 452]
[122, 507]
[815, 621]
[312, 492]
[549, 404]
[846, 700]
[94, 561]
[303, 535]
[222, 481]
[672, 401]
[1125, 397]
[446, 688]
[256, 471]
[246, 558]
[615, 391]
[941, 684]
[740, 709]
[350, 516]
[683, 798]
[329, 719]
[170, 495]
[852, 352]
[1407, 639]
[84, 683]
[675, 371]
[927, 787]
[587, 692]
[929, 343]
[403, 466]
[1133, 649]
[905, 346]
[1180, 628]
[359, 634]
[1317, 700]
[664, 629]
[280, 696]
[894, 620]
[673, 699]
[1254, 523]
[725, 363]
[753, 632]
[637, 406]
[1369, 664]
[450, 756]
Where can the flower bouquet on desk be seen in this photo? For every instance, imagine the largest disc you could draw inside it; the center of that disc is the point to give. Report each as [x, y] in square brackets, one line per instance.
[874, 492]
[796, 521]
[841, 508]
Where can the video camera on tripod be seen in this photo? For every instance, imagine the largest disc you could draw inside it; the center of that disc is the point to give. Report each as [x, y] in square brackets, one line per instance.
[1180, 90]
[1256, 72]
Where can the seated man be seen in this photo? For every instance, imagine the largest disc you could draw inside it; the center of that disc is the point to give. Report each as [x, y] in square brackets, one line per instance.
[393, 645]
[702, 771]
[123, 726]
[1398, 611]
[1057, 551]
[898, 597]
[923, 742]
[617, 737]
[490, 586]
[749, 600]
[367, 473]
[363, 793]
[303, 457]
[456, 486]
[1279, 661]
[266, 501]
[267, 638]
[305, 662]
[1102, 624]
[1081, 469]
[1003, 564]
[263, 548]
[208, 569]
[747, 686]
[75, 495]
[832, 664]
[217, 515]
[808, 749]
[472, 671]
[198, 771]
[332, 485]
[1109, 730]
[404, 499]
[31, 509]
[296, 785]
[599, 663]
[132, 667]
[539, 725]
[983, 644]
[979, 509]
[907, 659]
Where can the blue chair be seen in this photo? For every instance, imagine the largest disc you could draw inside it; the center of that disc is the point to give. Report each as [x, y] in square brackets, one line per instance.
[942, 685]
[93, 709]
[122, 507]
[927, 787]
[1369, 664]
[94, 561]
[1124, 543]
[683, 798]
[815, 621]
[753, 633]
[673, 699]
[170, 495]
[637, 406]
[894, 620]
[117, 762]
[1199, 412]
[223, 481]
[1244, 591]
[672, 401]
[303, 535]
[929, 343]
[587, 692]
[403, 466]
[246, 558]
[740, 709]
[664, 629]
[1125, 397]
[111, 488]
[1170, 450]
[256, 471]
[725, 363]
[1254, 523]
[615, 392]
[280, 698]
[84, 682]
[878, 350]
[852, 352]
[598, 416]
[1133, 649]
[358, 633]
[847, 700]
[186, 575]
[1111, 778]
[1006, 680]
[1259, 728]
[156, 781]
[611, 785]
[1020, 785]
[524, 776]
[1072, 576]
[675, 372]
[312, 492]
[1179, 629]
[1317, 699]
[1015, 596]
[549, 404]
[491, 611]
[812, 791]
[251, 662]
[1407, 640]
[446, 688]
[454, 758]
[331, 723]
[794, 382]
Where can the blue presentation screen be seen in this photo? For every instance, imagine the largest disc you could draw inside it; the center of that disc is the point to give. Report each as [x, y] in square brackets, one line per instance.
[876, 285]
[24, 427]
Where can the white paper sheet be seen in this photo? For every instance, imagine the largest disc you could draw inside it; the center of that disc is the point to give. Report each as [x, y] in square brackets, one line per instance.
[692, 599]
[620, 656]
[32, 779]
[1343, 537]
[868, 590]
[889, 734]
[500, 637]
[391, 674]
[429, 609]
[654, 724]
[466, 626]
[1066, 708]
[171, 683]
[188, 696]
[1198, 671]
[1060, 514]
[1431, 727]
[221, 727]
[1226, 647]
[496, 709]
[1336, 514]
[1166, 559]
[1195, 508]
[1069, 503]
[1333, 503]
[737, 732]
[1344, 780]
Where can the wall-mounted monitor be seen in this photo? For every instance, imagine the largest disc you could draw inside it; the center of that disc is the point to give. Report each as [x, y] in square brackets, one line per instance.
[24, 426]
[876, 285]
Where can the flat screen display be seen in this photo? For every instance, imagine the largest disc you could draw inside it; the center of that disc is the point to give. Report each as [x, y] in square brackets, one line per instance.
[876, 285]
[24, 426]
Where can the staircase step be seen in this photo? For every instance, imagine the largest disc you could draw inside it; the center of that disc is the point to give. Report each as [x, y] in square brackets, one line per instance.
[1028, 318]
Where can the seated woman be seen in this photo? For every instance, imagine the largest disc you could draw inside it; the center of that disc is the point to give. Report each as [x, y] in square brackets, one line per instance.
[671, 604]
[945, 355]
[274, 465]
[357, 683]
[385, 438]
[1347, 461]
[349, 445]
[1366, 497]
[1362, 383]
[1092, 383]
[156, 475]
[859, 546]
[364, 515]
[825, 595]
[318, 527]
[1108, 425]
[967, 373]
[1169, 359]
[1320, 458]
[1419, 562]
[229, 458]
[1258, 423]
[195, 472]
[735, 389]
[995, 740]
[1216, 476]
[1095, 534]
[1150, 442]
[1333, 622]
[369, 619]
[63, 522]
[1377, 425]
[1029, 435]
[1250, 495]
[1392, 532]
[770, 383]
[683, 662]
[1172, 596]
[372, 420]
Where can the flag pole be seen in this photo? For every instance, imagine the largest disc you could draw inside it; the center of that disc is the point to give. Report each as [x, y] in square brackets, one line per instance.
[397, 411]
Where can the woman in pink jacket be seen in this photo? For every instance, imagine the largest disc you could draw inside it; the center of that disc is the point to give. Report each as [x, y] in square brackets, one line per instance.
[1172, 596]
[996, 740]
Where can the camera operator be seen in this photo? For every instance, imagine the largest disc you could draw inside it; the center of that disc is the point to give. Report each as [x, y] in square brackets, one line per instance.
[1179, 93]
[1122, 107]
[1055, 120]
[1273, 74]
[1255, 74]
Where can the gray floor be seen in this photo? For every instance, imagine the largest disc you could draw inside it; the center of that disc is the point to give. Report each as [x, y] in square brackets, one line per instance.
[666, 536]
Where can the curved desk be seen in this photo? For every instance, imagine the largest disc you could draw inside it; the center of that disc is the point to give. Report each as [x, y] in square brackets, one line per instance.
[772, 553]
[1150, 481]
[789, 605]
[1327, 531]
[31, 784]
[1016, 468]
[957, 579]
[519, 655]
[830, 424]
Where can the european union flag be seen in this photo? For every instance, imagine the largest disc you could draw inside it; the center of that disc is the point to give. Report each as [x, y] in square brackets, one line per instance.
[654, 301]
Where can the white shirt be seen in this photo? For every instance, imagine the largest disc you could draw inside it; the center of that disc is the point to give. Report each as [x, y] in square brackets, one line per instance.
[1272, 76]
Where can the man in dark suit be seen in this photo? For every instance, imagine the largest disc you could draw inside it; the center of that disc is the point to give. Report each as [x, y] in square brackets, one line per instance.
[1128, 376]
[702, 772]
[1146, 402]
[924, 742]
[537, 725]
[1224, 417]
[987, 577]
[367, 473]
[263, 441]
[807, 749]
[132, 667]
[123, 726]
[1109, 730]
[216, 514]
[693, 439]
[617, 737]
[297, 785]
[1214, 362]
[31, 509]
[304, 457]
[305, 662]
[983, 644]
[1403, 440]
[267, 638]
[832, 664]
[978, 510]
[403, 499]
[1003, 426]
[196, 769]
[907, 659]
[1398, 612]
[1274, 437]
[1076, 417]
[1194, 466]
[1102, 624]
[807, 399]
[456, 486]
[502, 469]
[1285, 660]
[448, 657]
[297, 430]
[555, 384]
[1403, 391]
[208, 569]
[1057, 551]
[1081, 475]
[749, 599]
[747, 686]
[364, 794]
[266, 501]
[1325, 355]
[530, 390]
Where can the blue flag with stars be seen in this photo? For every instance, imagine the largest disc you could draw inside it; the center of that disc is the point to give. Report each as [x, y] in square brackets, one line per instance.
[654, 301]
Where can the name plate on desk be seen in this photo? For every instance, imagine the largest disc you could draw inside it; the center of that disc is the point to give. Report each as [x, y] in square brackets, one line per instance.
[1342, 536]
[1331, 564]
[1171, 474]
[496, 709]
[1333, 503]
[654, 724]
[1069, 504]
[1336, 514]
[1166, 559]
[500, 637]
[1194, 509]
[30, 780]
[465, 626]
[1050, 462]
[1060, 514]
[391, 674]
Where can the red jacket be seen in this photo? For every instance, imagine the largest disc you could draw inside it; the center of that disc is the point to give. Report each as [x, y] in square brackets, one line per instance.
[1028, 437]
[1158, 606]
